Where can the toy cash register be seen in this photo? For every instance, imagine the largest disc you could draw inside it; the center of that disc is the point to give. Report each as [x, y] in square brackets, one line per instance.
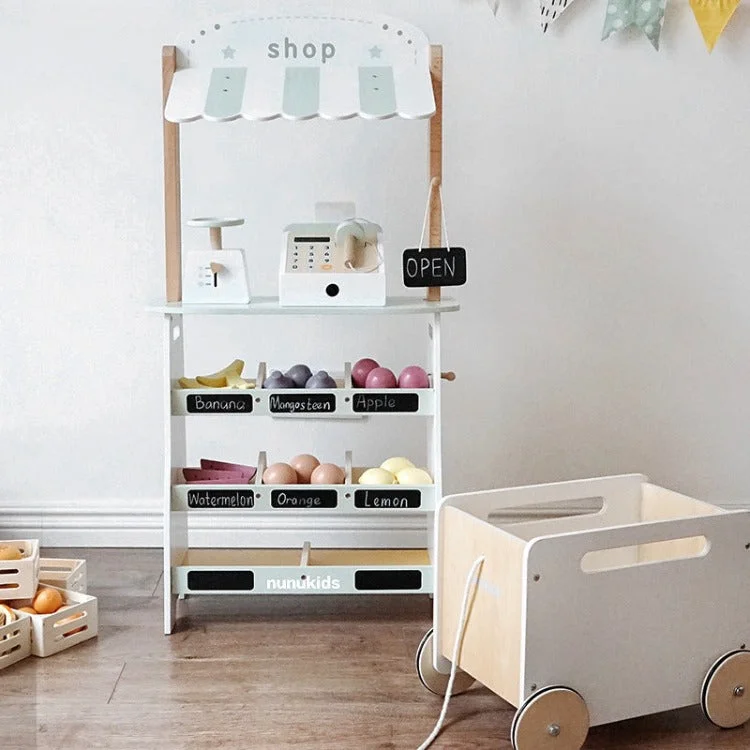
[332, 263]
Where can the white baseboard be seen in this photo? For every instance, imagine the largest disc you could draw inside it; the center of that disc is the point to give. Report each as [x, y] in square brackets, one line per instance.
[131, 523]
[138, 523]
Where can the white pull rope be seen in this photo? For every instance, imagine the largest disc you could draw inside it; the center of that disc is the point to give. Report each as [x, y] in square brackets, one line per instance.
[427, 213]
[463, 620]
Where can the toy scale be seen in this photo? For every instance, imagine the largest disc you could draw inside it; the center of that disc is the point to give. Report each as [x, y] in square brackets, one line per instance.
[217, 275]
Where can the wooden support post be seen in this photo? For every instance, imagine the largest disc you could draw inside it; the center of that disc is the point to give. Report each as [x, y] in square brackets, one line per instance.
[172, 212]
[436, 155]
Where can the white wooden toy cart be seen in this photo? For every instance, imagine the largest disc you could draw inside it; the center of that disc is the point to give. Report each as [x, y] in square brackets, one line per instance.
[596, 601]
[336, 63]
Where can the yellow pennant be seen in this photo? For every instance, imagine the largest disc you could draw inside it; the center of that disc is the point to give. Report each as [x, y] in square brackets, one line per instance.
[713, 17]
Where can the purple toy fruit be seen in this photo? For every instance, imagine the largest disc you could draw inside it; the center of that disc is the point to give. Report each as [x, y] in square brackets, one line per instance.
[361, 370]
[381, 377]
[277, 380]
[300, 374]
[413, 377]
[321, 379]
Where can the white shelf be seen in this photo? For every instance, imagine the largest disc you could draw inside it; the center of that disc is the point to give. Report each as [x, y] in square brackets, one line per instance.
[296, 403]
[270, 306]
[311, 571]
[303, 499]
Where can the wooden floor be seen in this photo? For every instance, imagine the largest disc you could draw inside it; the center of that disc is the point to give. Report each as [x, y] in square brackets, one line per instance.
[309, 673]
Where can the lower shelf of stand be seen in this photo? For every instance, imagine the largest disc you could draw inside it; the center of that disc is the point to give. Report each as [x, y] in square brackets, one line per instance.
[280, 571]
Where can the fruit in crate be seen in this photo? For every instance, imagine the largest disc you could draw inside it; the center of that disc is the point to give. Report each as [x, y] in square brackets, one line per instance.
[7, 615]
[377, 476]
[413, 377]
[229, 377]
[277, 379]
[321, 379]
[328, 474]
[28, 610]
[247, 471]
[304, 465]
[279, 474]
[361, 370]
[395, 464]
[299, 375]
[413, 475]
[47, 601]
[9, 552]
[68, 620]
[381, 377]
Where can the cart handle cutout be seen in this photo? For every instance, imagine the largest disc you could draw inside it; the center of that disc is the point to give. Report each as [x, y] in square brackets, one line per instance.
[633, 556]
[547, 511]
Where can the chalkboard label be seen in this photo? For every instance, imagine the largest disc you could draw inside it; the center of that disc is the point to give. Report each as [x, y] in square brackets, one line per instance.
[377, 402]
[385, 580]
[219, 403]
[434, 266]
[215, 499]
[221, 580]
[307, 499]
[387, 499]
[302, 403]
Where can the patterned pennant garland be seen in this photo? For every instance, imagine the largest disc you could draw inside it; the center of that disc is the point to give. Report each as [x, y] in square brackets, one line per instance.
[494, 5]
[712, 17]
[551, 10]
[647, 15]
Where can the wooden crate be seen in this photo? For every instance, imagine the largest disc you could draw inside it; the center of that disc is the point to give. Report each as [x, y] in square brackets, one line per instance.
[621, 590]
[19, 578]
[15, 641]
[64, 574]
[53, 633]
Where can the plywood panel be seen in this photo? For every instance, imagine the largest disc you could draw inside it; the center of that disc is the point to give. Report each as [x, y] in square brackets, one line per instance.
[492, 645]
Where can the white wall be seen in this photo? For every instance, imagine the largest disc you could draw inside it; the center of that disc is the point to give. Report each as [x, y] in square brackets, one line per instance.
[600, 188]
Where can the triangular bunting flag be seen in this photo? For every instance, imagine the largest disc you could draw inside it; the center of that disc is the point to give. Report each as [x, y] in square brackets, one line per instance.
[494, 5]
[712, 17]
[647, 15]
[551, 10]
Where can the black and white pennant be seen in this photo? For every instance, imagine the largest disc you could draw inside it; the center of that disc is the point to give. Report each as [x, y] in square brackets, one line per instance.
[551, 10]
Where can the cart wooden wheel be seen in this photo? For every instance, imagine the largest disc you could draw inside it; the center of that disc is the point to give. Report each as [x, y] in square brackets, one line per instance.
[437, 682]
[554, 718]
[725, 697]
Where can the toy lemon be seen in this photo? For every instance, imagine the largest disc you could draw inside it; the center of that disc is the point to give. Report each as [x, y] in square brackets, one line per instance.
[412, 475]
[377, 476]
[395, 464]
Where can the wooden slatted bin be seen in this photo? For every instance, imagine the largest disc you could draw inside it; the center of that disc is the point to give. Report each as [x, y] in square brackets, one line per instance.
[63, 573]
[19, 578]
[618, 589]
[76, 621]
[15, 640]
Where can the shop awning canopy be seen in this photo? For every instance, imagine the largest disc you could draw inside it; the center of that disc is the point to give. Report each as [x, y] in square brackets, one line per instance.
[332, 64]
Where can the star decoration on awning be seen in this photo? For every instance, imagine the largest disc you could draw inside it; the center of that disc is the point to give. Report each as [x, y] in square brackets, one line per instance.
[375, 51]
[228, 52]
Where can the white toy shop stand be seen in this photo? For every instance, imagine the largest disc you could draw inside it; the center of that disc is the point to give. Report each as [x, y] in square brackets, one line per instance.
[334, 63]
[595, 601]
